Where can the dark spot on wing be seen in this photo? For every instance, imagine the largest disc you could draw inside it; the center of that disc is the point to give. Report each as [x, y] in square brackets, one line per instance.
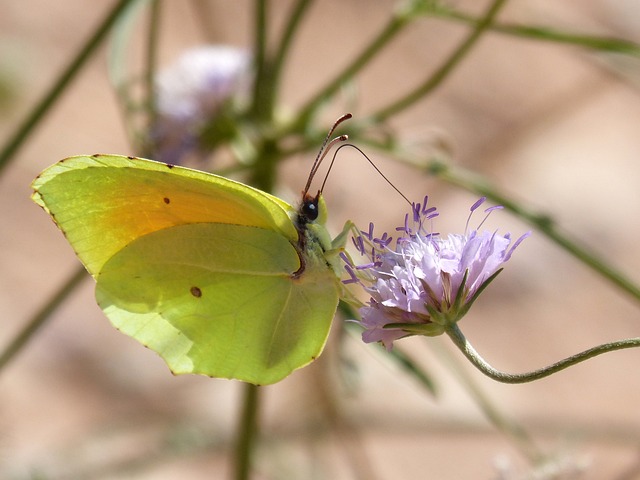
[169, 166]
[166, 200]
[131, 158]
[196, 292]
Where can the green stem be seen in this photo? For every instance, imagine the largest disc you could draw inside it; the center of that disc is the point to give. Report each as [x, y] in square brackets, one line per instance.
[152, 60]
[263, 173]
[445, 69]
[150, 69]
[247, 430]
[546, 34]
[40, 318]
[262, 106]
[393, 27]
[285, 44]
[474, 357]
[68, 74]
[543, 223]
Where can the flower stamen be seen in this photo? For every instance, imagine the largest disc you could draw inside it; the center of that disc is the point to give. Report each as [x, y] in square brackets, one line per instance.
[428, 282]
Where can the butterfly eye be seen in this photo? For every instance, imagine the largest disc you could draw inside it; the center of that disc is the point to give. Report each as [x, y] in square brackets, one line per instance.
[309, 209]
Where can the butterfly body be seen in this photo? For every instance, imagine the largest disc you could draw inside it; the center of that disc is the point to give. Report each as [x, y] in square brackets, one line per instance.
[219, 278]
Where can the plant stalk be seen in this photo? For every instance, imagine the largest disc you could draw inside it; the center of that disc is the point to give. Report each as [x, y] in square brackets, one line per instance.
[53, 94]
[460, 341]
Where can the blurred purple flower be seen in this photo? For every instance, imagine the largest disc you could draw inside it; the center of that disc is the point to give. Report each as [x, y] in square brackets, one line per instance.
[427, 282]
[193, 91]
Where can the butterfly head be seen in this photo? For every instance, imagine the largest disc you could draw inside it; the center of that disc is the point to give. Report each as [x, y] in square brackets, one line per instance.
[312, 209]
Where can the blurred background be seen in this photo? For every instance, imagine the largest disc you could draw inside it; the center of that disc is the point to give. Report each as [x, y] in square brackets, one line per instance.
[554, 126]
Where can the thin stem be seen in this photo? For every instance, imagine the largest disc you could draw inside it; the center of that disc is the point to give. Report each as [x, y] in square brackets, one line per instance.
[263, 173]
[285, 44]
[546, 34]
[481, 364]
[247, 430]
[68, 74]
[152, 61]
[445, 69]
[476, 183]
[41, 317]
[543, 223]
[393, 27]
[261, 107]
[150, 68]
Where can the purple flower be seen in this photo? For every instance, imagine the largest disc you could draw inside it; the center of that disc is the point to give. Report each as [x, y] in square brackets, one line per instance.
[193, 91]
[428, 281]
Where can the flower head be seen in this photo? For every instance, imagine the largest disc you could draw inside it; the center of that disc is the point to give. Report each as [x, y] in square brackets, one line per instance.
[191, 92]
[428, 281]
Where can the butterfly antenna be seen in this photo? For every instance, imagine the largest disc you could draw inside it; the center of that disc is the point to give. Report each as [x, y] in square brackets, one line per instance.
[325, 148]
[335, 154]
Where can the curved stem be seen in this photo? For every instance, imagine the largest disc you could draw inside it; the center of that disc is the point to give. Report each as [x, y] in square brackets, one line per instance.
[481, 364]
[443, 72]
[247, 430]
[41, 317]
[68, 74]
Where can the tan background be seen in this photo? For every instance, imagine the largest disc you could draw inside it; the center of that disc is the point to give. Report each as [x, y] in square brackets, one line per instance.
[555, 126]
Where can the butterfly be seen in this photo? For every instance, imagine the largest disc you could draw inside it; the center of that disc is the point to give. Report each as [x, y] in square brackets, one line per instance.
[217, 277]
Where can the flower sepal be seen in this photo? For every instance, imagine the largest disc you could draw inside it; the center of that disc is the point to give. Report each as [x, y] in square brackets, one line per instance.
[425, 329]
[442, 318]
[466, 306]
